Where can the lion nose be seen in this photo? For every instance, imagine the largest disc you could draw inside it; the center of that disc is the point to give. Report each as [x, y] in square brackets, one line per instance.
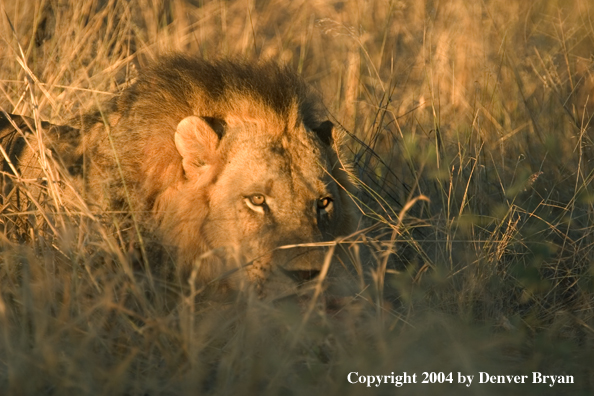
[302, 276]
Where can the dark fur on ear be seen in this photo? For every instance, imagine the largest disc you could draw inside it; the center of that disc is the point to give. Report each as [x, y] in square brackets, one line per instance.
[218, 125]
[324, 132]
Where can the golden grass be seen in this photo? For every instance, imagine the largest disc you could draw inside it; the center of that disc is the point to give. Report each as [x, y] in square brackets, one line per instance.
[469, 125]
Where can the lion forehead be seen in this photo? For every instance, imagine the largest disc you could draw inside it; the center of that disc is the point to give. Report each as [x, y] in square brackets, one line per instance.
[254, 161]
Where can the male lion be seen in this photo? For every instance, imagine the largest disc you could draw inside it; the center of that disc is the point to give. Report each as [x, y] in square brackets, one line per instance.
[225, 162]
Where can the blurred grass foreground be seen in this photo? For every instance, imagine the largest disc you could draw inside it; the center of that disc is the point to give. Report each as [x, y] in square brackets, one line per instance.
[469, 124]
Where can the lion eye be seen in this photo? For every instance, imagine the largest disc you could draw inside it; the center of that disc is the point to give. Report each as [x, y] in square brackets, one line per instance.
[257, 199]
[324, 203]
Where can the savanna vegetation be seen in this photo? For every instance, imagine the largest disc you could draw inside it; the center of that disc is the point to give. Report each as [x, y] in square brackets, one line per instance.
[469, 127]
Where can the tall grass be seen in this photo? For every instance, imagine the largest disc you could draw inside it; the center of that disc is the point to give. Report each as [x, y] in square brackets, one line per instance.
[469, 127]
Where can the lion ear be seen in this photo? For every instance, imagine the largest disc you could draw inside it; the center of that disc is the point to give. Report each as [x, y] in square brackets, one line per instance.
[324, 132]
[196, 142]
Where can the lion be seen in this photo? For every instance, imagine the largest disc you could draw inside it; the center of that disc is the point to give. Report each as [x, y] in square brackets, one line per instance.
[233, 167]
[24, 175]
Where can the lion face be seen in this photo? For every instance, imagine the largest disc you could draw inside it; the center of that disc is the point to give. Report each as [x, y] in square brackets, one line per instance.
[270, 188]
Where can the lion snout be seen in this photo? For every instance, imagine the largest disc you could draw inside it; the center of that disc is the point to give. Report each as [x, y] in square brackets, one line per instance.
[301, 264]
[302, 276]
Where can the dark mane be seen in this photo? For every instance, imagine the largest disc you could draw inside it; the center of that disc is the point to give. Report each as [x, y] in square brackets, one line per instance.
[219, 82]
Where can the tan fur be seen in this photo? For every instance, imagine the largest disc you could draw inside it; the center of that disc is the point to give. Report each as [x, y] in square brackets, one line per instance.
[187, 145]
[21, 152]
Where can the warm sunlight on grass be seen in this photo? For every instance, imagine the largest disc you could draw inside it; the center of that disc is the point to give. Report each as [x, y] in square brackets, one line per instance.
[469, 127]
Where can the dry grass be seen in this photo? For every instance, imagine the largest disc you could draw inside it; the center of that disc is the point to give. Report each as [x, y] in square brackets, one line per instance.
[469, 125]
